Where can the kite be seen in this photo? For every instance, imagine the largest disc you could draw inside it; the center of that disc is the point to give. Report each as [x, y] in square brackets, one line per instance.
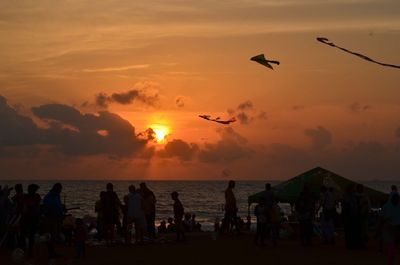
[261, 60]
[218, 119]
[326, 41]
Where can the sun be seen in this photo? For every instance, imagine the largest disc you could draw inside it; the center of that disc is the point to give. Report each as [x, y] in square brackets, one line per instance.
[160, 132]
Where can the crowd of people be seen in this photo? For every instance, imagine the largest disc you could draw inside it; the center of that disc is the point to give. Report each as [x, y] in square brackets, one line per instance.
[24, 215]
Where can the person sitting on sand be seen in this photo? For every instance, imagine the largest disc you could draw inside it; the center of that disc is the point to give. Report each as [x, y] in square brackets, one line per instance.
[80, 235]
[196, 226]
[178, 215]
[171, 228]
[187, 224]
[162, 228]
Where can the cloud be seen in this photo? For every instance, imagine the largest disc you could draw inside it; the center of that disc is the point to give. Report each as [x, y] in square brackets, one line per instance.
[72, 133]
[247, 105]
[68, 132]
[180, 101]
[368, 148]
[320, 137]
[397, 132]
[357, 107]
[117, 69]
[126, 98]
[144, 92]
[297, 107]
[245, 112]
[16, 130]
[179, 149]
[231, 147]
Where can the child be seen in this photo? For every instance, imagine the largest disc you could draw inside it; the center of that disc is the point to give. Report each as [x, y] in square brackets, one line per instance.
[178, 214]
[260, 212]
[80, 238]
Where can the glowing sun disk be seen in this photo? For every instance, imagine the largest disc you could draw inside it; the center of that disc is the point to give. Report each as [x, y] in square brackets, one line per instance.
[160, 132]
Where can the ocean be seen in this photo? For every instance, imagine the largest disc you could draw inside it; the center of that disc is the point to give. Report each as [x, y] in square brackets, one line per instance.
[203, 198]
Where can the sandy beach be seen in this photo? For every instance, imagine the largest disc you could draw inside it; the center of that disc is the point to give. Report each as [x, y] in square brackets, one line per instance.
[201, 249]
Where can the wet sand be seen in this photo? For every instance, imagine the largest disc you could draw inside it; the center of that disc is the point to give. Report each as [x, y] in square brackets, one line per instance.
[201, 249]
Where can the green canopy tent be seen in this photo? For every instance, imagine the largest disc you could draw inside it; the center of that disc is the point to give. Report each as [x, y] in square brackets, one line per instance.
[289, 191]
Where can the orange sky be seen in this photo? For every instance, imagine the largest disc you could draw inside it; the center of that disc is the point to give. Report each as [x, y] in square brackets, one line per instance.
[319, 107]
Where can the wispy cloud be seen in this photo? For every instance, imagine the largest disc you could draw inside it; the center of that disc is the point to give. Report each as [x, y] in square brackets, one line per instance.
[116, 69]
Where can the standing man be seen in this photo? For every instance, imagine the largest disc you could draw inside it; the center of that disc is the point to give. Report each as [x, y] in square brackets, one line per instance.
[179, 212]
[54, 214]
[230, 208]
[149, 206]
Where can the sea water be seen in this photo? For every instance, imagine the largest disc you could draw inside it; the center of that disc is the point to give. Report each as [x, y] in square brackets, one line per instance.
[203, 198]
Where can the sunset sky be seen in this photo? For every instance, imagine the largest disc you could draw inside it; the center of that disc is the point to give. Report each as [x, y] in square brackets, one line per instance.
[81, 82]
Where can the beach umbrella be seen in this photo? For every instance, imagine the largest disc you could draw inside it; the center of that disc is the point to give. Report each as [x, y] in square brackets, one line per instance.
[289, 191]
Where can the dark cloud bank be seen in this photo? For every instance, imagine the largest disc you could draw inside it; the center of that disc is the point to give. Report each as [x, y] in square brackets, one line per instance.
[66, 134]
[69, 132]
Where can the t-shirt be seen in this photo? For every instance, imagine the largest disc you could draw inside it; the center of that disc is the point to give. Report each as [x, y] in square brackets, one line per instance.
[135, 205]
[260, 212]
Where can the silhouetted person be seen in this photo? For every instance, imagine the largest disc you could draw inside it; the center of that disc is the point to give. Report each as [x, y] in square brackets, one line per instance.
[162, 228]
[393, 190]
[54, 214]
[98, 208]
[126, 223]
[136, 213]
[17, 201]
[30, 216]
[230, 208]
[350, 217]
[260, 211]
[275, 223]
[363, 207]
[149, 206]
[328, 204]
[196, 226]
[178, 215]
[5, 209]
[269, 200]
[111, 206]
[305, 207]
[80, 235]
[391, 227]
[171, 225]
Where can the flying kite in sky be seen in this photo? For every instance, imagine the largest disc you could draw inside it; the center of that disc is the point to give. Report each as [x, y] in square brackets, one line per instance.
[218, 119]
[261, 60]
[326, 41]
